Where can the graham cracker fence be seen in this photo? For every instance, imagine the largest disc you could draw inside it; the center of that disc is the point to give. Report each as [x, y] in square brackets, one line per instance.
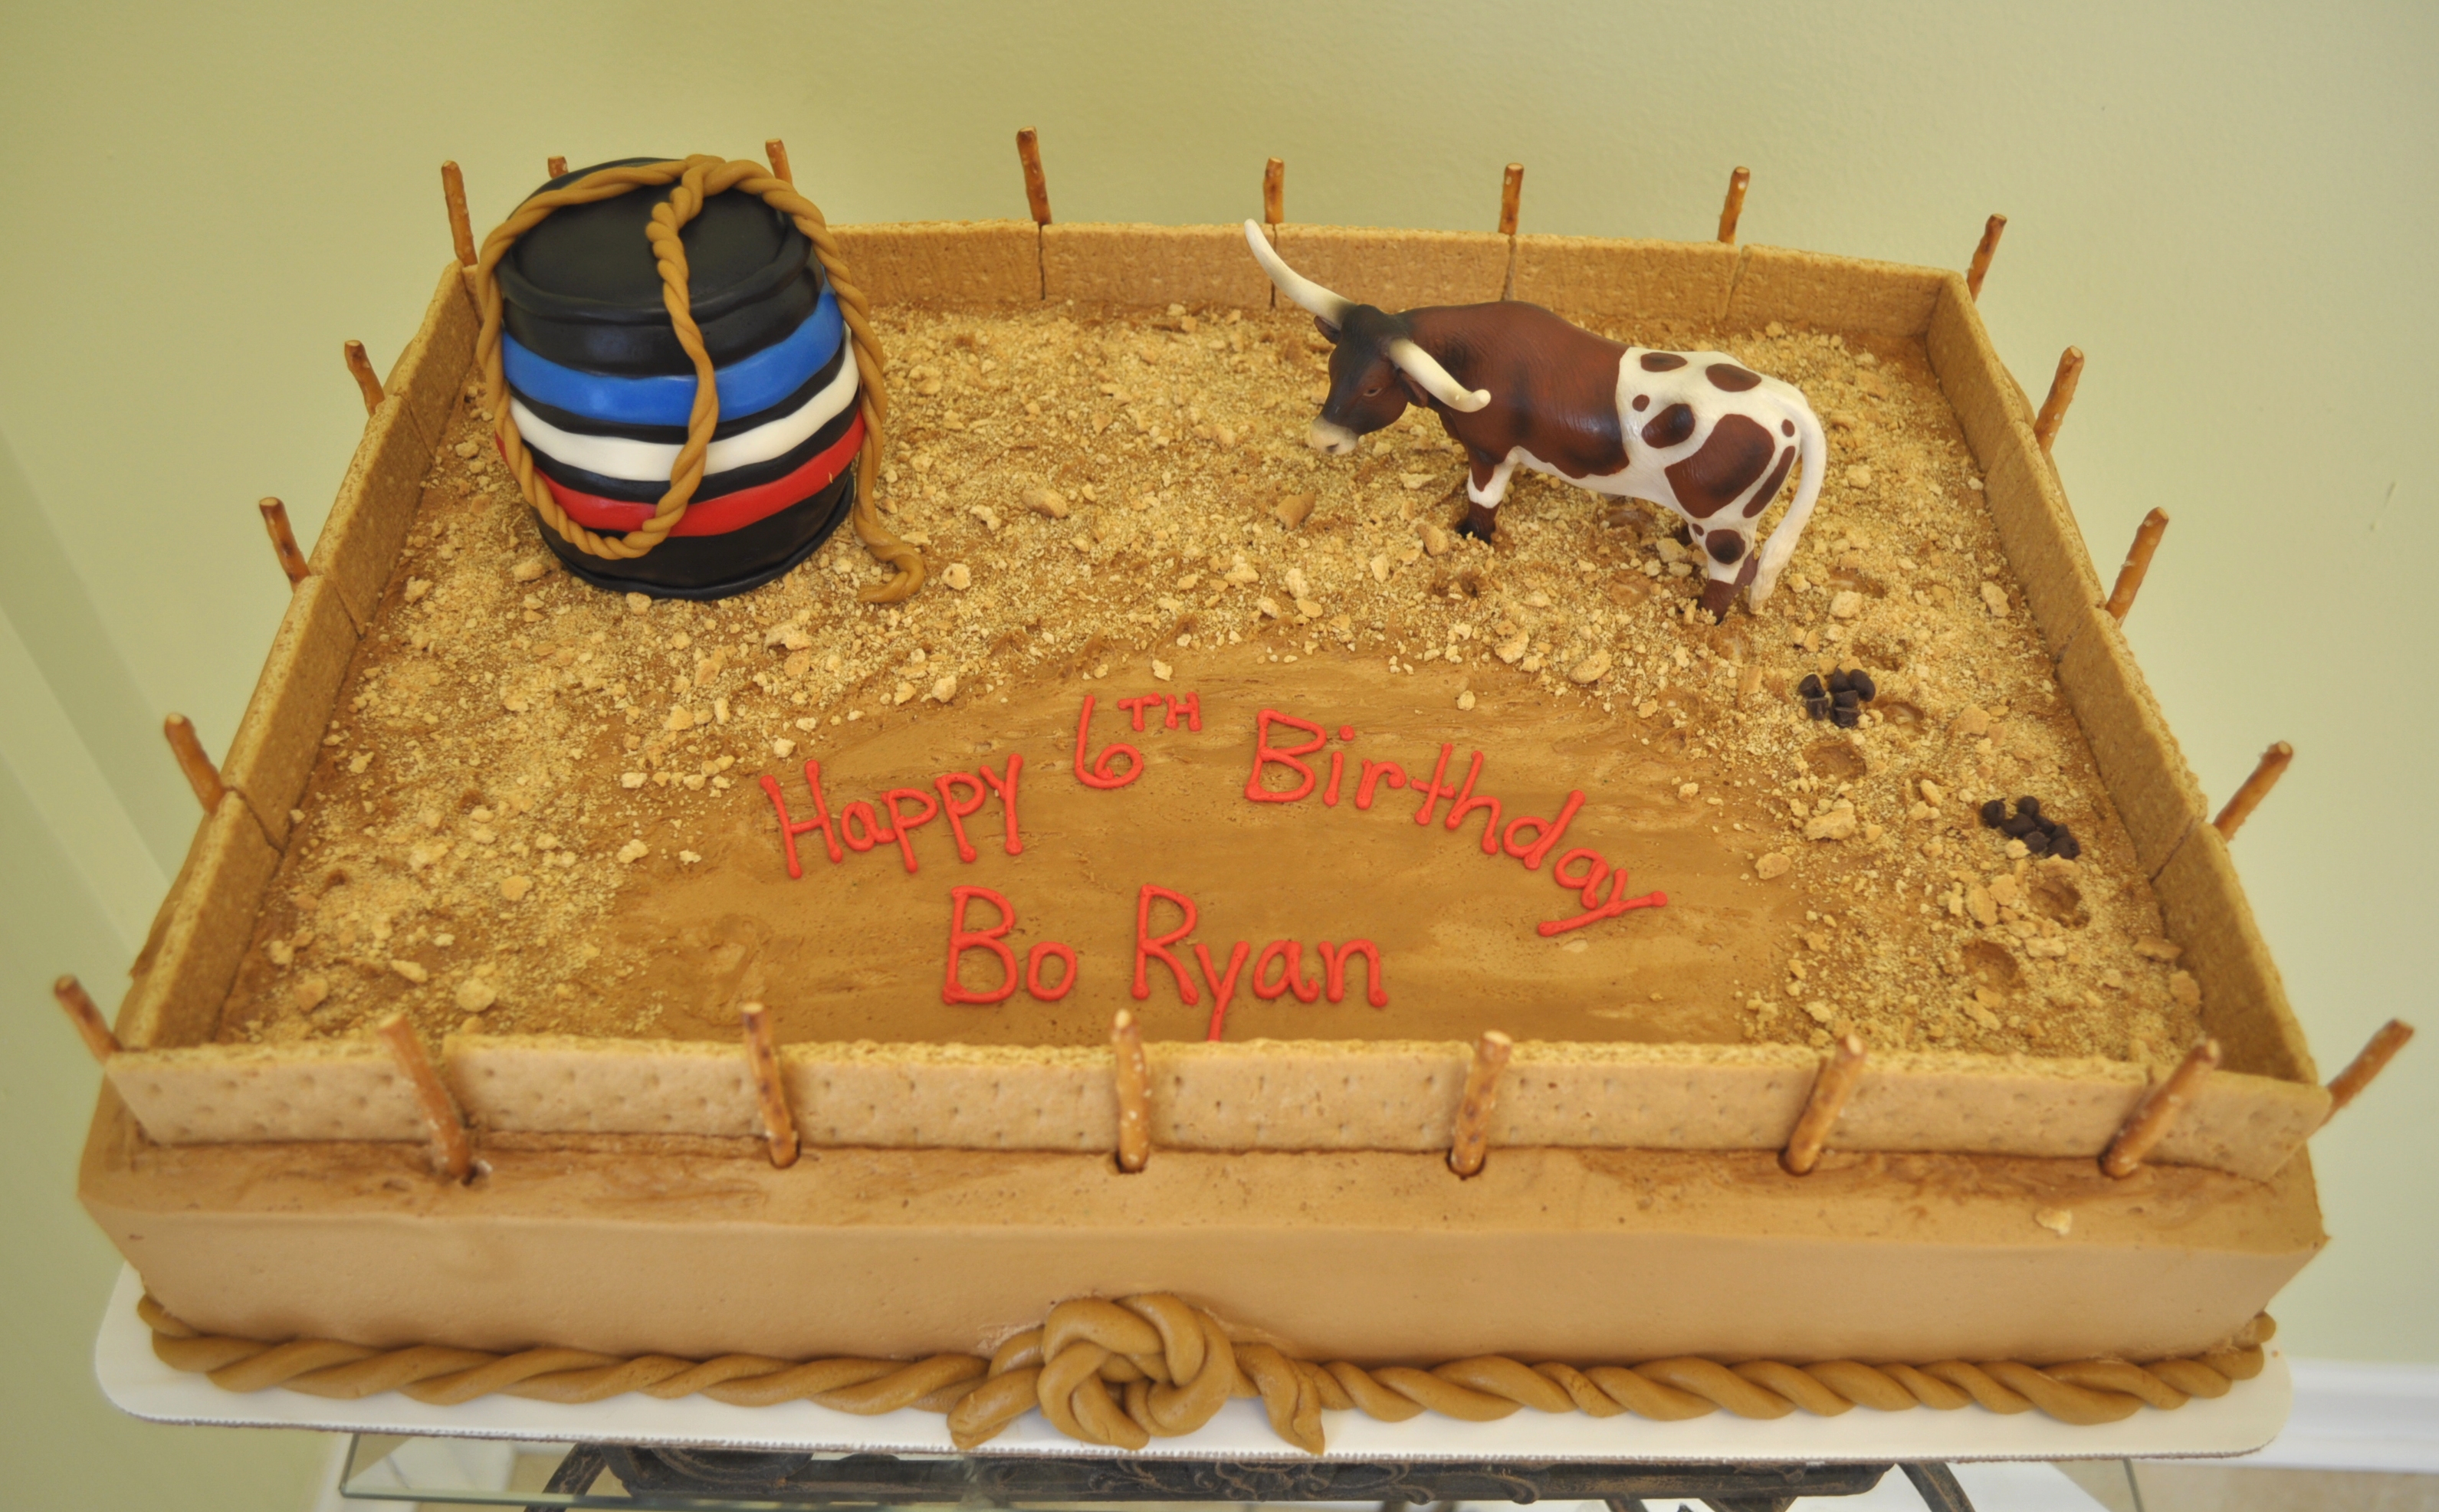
[2248, 1119]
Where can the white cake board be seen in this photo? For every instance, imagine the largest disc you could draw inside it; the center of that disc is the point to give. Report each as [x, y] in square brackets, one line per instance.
[2243, 1420]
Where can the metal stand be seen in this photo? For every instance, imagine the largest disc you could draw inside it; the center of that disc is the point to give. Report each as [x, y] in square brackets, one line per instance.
[716, 1475]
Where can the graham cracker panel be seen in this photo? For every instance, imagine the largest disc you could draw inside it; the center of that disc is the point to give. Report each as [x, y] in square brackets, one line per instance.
[315, 1090]
[1584, 276]
[2251, 1125]
[1988, 402]
[2243, 1000]
[981, 262]
[567, 1084]
[429, 371]
[2139, 760]
[2044, 545]
[366, 528]
[1833, 294]
[177, 1001]
[1397, 270]
[1272, 1095]
[1652, 1097]
[276, 741]
[1152, 265]
[915, 1098]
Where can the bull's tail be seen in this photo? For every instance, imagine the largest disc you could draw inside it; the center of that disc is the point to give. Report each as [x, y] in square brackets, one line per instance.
[1781, 545]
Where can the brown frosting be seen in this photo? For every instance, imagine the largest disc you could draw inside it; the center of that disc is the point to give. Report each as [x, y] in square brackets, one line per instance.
[1123, 1372]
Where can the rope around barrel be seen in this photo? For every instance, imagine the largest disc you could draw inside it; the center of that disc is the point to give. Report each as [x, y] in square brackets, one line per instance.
[1126, 1372]
[697, 178]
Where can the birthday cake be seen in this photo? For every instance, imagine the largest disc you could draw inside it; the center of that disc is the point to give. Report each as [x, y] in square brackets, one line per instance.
[1389, 804]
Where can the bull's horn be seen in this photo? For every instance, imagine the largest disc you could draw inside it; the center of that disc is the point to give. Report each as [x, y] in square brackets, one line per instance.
[1425, 369]
[1328, 305]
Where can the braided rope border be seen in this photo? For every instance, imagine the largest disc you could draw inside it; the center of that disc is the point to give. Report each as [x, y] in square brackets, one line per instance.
[698, 178]
[1124, 1372]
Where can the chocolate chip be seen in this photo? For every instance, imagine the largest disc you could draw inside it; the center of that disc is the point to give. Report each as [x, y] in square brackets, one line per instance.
[1845, 698]
[1810, 687]
[2063, 845]
[1994, 814]
[1846, 716]
[2021, 825]
[1838, 682]
[1862, 683]
[2029, 805]
[2037, 842]
[1817, 706]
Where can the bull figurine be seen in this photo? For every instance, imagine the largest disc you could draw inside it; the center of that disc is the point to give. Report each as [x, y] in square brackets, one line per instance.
[1513, 383]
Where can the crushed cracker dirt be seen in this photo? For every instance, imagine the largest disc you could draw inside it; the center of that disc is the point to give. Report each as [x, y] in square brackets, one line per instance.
[1104, 490]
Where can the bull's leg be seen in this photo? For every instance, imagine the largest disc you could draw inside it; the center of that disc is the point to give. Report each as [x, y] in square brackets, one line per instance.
[1733, 564]
[1485, 486]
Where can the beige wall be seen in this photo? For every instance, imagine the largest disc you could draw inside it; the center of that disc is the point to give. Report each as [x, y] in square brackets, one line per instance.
[2230, 209]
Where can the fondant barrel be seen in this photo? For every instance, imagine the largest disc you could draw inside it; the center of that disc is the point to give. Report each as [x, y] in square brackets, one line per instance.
[601, 390]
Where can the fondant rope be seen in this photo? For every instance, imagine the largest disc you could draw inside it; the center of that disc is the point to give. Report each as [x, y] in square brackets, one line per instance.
[698, 178]
[1124, 1372]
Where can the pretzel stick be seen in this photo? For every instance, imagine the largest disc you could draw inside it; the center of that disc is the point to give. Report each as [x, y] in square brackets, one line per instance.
[1275, 191]
[1036, 188]
[78, 1005]
[1490, 1055]
[1981, 255]
[776, 152]
[188, 748]
[283, 539]
[452, 1153]
[554, 167]
[1734, 211]
[778, 1124]
[1511, 195]
[361, 368]
[1830, 1089]
[1135, 1093]
[2266, 773]
[2343, 1088]
[2138, 564]
[462, 228]
[2053, 415]
[2157, 1113]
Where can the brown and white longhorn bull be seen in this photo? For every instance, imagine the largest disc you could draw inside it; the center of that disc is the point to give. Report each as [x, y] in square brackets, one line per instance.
[1513, 383]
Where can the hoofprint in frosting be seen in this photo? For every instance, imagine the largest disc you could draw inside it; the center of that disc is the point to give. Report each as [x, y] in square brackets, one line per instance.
[1284, 770]
[1514, 384]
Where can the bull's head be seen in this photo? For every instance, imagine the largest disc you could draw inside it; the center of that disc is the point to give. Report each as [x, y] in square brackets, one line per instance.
[1376, 369]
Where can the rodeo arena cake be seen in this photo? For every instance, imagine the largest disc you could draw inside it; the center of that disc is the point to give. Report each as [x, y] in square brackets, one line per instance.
[1008, 817]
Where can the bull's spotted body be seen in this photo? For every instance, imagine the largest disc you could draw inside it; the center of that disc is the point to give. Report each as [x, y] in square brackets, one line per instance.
[1518, 386]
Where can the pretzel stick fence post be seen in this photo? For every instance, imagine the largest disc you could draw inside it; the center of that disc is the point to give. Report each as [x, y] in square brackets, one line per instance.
[554, 167]
[769, 1092]
[1511, 198]
[776, 152]
[2265, 772]
[283, 542]
[452, 1153]
[1734, 211]
[78, 1005]
[1036, 188]
[1275, 191]
[1835, 1083]
[1471, 1141]
[188, 748]
[2157, 1113]
[461, 227]
[1134, 1078]
[1980, 269]
[2053, 415]
[360, 368]
[2347, 1086]
[2138, 564]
